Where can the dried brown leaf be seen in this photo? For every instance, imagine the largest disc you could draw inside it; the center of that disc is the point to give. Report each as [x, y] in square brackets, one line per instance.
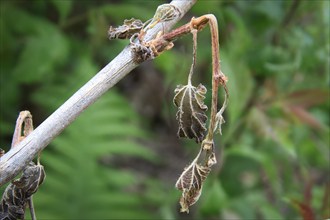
[190, 183]
[219, 118]
[16, 195]
[127, 30]
[191, 111]
[188, 198]
[192, 178]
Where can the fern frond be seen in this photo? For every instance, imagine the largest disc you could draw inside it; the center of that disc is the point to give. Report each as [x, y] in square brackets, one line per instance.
[78, 185]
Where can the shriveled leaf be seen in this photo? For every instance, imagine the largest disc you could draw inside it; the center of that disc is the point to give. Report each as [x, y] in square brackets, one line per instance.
[219, 118]
[190, 183]
[188, 198]
[192, 178]
[33, 176]
[191, 111]
[127, 30]
[16, 195]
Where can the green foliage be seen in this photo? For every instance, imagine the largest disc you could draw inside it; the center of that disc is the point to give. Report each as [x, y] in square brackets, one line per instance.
[106, 131]
[82, 184]
[78, 180]
[275, 140]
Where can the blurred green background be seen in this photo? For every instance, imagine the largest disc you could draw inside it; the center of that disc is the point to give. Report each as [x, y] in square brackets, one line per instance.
[121, 158]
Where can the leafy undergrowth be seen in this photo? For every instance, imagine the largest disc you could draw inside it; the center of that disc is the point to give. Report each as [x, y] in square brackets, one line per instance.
[82, 181]
[78, 179]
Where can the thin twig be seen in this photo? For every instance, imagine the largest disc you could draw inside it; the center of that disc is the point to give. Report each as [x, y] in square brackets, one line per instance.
[31, 206]
[215, 73]
[194, 33]
[17, 158]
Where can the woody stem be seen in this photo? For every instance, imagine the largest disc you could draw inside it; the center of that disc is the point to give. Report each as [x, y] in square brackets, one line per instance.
[217, 76]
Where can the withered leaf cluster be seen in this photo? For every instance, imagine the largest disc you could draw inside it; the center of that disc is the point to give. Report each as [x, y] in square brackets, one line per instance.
[130, 27]
[16, 195]
[127, 30]
[191, 117]
[189, 100]
[190, 183]
[136, 30]
[192, 124]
